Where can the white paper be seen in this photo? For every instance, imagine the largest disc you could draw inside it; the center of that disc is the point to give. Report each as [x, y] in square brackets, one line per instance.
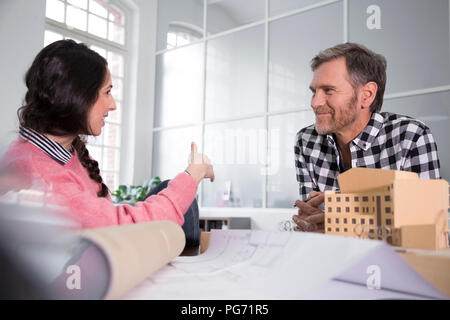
[244, 264]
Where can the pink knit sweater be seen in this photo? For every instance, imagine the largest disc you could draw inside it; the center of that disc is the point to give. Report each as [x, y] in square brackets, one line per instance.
[73, 186]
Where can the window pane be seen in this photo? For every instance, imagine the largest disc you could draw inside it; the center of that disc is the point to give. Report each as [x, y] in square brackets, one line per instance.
[433, 110]
[99, 7]
[50, 37]
[79, 3]
[116, 15]
[283, 6]
[74, 39]
[116, 115]
[93, 140]
[111, 159]
[116, 33]
[111, 180]
[171, 39]
[188, 14]
[228, 14]
[235, 78]
[294, 41]
[117, 90]
[282, 185]
[99, 50]
[54, 9]
[76, 18]
[95, 153]
[115, 64]
[179, 86]
[238, 151]
[413, 36]
[112, 135]
[97, 26]
[171, 149]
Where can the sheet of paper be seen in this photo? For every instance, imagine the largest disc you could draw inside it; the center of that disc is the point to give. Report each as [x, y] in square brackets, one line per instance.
[340, 290]
[394, 274]
[244, 264]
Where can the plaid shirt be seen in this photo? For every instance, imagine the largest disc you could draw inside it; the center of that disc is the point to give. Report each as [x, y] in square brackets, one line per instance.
[389, 141]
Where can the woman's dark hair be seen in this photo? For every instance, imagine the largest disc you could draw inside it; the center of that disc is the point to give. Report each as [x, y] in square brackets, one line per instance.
[63, 84]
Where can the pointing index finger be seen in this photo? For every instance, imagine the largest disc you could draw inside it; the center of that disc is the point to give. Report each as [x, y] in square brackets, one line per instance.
[193, 151]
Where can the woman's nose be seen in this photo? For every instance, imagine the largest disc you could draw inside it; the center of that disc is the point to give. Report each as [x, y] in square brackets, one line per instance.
[112, 106]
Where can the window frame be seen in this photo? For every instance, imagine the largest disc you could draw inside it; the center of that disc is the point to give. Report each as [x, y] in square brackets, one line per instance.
[109, 46]
[267, 114]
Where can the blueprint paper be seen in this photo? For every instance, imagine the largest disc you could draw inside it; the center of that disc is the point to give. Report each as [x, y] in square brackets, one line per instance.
[244, 264]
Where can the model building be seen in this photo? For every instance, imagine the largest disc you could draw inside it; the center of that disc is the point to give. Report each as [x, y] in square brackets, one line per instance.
[392, 205]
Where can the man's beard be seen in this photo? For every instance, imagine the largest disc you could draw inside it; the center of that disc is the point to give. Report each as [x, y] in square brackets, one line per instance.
[346, 116]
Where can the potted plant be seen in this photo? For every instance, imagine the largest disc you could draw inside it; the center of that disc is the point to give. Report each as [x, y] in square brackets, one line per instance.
[130, 194]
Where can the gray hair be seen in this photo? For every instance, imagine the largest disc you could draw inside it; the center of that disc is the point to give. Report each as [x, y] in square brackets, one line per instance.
[363, 66]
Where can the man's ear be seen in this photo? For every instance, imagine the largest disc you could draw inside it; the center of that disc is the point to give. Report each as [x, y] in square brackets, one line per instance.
[368, 93]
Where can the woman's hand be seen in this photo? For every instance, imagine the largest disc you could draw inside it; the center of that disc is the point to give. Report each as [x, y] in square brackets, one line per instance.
[199, 165]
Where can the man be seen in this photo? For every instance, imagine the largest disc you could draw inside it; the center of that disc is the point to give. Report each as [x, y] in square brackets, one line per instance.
[348, 87]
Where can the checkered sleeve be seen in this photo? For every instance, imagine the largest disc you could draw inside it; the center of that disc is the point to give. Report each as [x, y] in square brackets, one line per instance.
[423, 155]
[306, 184]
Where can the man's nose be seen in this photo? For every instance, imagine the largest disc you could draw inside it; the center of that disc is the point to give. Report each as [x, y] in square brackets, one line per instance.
[318, 100]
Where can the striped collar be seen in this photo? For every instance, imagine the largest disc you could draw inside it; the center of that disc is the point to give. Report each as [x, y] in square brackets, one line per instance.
[50, 147]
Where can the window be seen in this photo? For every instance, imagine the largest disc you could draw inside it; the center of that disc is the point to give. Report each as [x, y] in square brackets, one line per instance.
[330, 209]
[387, 198]
[347, 209]
[370, 221]
[347, 199]
[365, 199]
[256, 66]
[345, 220]
[337, 220]
[338, 199]
[100, 24]
[356, 198]
[234, 97]
[179, 35]
[329, 220]
[353, 221]
[356, 209]
[388, 222]
[338, 209]
[96, 17]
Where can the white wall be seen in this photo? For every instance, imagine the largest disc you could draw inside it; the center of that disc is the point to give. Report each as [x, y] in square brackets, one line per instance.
[22, 25]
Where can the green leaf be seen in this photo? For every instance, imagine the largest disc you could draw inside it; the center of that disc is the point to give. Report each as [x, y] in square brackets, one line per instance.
[131, 194]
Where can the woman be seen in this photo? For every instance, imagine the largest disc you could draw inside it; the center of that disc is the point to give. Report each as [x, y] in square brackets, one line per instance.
[69, 96]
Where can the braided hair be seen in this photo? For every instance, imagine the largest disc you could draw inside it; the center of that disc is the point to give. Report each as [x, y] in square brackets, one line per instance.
[63, 84]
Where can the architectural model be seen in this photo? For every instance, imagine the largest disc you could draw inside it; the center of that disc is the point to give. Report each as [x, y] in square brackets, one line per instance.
[392, 205]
